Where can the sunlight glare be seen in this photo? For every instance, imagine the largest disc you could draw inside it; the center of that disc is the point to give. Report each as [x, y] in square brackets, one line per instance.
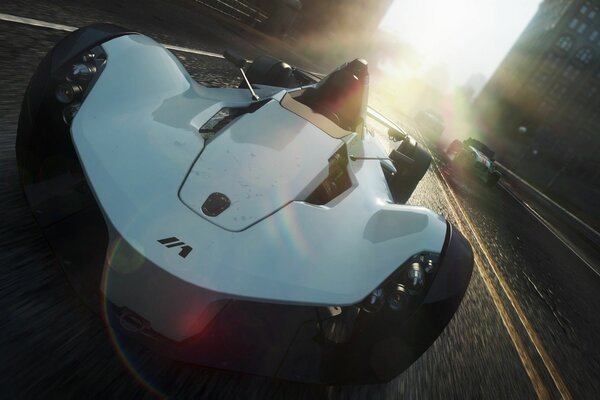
[466, 36]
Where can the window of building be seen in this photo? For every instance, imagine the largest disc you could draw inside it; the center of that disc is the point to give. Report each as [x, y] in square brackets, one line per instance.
[582, 28]
[558, 90]
[565, 42]
[573, 24]
[573, 110]
[552, 61]
[540, 79]
[545, 108]
[571, 73]
[584, 55]
[593, 122]
[594, 35]
[590, 91]
[593, 13]
[584, 9]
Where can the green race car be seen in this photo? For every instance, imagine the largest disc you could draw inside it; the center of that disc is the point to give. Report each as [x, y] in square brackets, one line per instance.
[475, 158]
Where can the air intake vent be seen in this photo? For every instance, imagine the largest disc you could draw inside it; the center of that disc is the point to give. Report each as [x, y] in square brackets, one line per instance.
[224, 117]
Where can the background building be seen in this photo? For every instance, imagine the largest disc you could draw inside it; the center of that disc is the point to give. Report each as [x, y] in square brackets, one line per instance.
[550, 83]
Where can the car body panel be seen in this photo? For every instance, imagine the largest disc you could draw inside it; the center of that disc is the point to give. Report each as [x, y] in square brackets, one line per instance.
[260, 167]
[137, 165]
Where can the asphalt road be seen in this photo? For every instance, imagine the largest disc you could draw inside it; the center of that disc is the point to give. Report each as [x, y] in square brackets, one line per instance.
[527, 328]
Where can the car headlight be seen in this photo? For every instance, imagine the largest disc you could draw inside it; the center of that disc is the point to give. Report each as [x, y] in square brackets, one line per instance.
[406, 286]
[374, 301]
[67, 92]
[78, 77]
[82, 72]
[397, 298]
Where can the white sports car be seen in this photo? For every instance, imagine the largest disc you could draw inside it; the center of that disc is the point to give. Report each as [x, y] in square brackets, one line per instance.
[259, 229]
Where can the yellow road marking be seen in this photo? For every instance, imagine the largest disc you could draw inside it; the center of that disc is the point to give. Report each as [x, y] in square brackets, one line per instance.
[534, 377]
[537, 343]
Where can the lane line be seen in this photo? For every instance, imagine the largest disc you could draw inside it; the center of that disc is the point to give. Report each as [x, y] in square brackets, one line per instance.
[551, 228]
[535, 340]
[193, 51]
[36, 22]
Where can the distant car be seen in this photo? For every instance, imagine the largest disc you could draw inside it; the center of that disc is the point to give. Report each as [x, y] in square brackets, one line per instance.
[475, 157]
[430, 124]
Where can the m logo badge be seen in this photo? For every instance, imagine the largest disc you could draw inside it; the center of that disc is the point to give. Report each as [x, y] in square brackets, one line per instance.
[174, 242]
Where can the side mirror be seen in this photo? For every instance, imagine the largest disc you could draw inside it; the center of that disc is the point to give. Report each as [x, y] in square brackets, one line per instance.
[396, 135]
[234, 59]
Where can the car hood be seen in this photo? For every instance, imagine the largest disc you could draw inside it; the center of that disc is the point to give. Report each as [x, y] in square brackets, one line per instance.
[256, 165]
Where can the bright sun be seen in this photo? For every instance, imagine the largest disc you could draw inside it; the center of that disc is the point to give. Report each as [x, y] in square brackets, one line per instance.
[433, 26]
[466, 36]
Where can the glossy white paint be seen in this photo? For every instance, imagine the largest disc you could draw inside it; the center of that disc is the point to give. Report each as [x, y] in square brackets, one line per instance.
[262, 162]
[137, 137]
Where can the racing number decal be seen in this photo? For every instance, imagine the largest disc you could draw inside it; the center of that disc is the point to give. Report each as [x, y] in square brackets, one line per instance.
[174, 242]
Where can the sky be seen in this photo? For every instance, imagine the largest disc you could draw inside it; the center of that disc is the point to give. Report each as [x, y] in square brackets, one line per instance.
[463, 36]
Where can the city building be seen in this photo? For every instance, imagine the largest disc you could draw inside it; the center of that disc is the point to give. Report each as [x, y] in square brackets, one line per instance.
[540, 110]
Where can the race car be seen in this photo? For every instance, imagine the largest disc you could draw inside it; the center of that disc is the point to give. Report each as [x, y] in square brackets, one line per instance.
[259, 229]
[475, 158]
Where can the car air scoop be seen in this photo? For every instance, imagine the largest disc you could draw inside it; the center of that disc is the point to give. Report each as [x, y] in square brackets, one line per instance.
[259, 163]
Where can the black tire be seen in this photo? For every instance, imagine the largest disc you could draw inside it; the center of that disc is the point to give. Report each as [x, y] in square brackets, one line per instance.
[267, 70]
[403, 183]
